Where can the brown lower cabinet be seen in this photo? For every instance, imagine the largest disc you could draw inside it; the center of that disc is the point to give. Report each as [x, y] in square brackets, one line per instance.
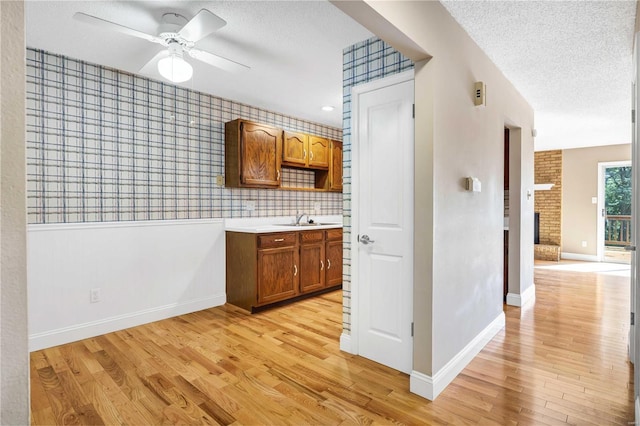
[264, 269]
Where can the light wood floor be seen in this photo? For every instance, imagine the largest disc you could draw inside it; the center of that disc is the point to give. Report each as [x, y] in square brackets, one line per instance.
[617, 254]
[562, 361]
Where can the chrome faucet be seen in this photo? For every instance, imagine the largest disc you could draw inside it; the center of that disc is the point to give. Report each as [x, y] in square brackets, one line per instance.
[299, 216]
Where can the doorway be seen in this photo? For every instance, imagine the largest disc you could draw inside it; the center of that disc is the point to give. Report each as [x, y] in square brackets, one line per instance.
[614, 209]
[382, 220]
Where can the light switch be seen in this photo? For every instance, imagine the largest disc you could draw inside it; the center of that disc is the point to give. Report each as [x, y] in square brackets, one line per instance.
[473, 184]
[594, 200]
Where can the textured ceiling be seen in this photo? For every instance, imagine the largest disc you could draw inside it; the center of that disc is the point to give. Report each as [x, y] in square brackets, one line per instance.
[571, 60]
[294, 49]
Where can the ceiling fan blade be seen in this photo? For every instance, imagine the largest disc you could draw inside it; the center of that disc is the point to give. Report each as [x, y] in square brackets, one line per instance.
[217, 61]
[99, 22]
[151, 67]
[201, 25]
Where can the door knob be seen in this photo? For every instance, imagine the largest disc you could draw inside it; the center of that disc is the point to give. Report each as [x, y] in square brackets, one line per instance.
[365, 240]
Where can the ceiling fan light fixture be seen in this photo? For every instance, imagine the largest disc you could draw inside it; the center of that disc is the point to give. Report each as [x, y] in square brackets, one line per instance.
[174, 68]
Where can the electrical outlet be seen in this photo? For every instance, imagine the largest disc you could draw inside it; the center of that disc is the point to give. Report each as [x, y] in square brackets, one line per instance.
[316, 207]
[94, 295]
[584, 244]
[220, 180]
[249, 205]
[594, 200]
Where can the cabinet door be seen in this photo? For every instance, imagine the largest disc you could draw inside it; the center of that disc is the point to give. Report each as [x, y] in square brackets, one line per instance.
[277, 274]
[294, 149]
[261, 151]
[336, 165]
[318, 152]
[334, 263]
[312, 267]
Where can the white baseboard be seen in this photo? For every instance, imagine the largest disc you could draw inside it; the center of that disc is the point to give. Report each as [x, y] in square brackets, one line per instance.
[577, 256]
[520, 300]
[95, 328]
[430, 387]
[345, 343]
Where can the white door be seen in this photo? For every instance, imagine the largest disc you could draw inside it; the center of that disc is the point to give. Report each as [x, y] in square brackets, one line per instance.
[383, 161]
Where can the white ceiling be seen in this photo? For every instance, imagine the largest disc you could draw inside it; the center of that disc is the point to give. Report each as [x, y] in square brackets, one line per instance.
[570, 59]
[294, 49]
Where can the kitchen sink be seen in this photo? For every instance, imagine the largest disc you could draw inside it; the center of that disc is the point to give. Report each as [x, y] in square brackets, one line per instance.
[305, 224]
[299, 224]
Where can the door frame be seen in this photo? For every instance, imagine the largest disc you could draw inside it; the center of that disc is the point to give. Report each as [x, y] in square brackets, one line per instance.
[355, 194]
[602, 166]
[633, 262]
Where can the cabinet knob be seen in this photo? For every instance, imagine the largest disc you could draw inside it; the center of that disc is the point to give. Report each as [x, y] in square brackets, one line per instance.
[277, 174]
[295, 270]
[304, 154]
[328, 264]
[321, 265]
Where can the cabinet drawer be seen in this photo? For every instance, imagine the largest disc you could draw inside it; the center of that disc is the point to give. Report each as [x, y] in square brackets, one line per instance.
[277, 240]
[334, 234]
[311, 236]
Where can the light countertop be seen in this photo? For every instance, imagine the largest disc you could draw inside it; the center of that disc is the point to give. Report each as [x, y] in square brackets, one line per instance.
[280, 224]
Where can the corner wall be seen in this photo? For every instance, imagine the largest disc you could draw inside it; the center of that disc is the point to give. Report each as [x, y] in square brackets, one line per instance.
[458, 303]
[14, 358]
[580, 184]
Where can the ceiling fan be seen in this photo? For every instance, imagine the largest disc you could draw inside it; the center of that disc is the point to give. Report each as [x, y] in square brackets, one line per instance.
[179, 36]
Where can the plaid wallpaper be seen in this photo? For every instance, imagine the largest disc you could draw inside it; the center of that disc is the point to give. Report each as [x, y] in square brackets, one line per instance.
[363, 62]
[104, 145]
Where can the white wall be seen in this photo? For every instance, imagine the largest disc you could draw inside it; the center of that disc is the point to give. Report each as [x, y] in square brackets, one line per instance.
[579, 185]
[14, 360]
[146, 271]
[459, 235]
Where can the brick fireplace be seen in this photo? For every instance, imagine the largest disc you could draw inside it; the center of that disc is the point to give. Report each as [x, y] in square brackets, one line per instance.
[548, 205]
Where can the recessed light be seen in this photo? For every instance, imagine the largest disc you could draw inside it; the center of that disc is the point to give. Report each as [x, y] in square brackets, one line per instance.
[328, 108]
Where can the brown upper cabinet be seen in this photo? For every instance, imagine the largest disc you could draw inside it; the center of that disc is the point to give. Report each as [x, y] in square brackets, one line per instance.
[294, 149]
[253, 154]
[302, 150]
[318, 152]
[332, 181]
[336, 165]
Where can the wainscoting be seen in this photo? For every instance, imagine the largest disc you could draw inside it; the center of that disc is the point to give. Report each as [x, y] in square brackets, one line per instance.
[145, 271]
